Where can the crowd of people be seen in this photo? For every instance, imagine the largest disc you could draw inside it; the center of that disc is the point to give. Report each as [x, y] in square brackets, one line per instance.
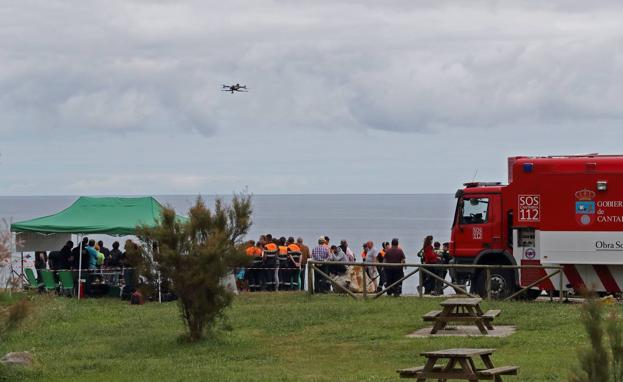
[276, 264]
[102, 267]
[94, 255]
[279, 264]
[435, 253]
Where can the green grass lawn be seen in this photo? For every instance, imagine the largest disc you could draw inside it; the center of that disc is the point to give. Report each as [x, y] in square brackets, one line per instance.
[277, 337]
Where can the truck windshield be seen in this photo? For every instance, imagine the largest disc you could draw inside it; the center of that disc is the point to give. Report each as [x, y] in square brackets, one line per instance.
[474, 210]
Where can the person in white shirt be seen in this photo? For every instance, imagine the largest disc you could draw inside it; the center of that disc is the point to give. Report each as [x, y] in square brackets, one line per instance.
[350, 255]
[371, 258]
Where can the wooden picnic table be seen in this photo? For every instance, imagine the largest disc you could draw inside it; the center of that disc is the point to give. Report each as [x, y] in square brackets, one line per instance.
[460, 365]
[461, 310]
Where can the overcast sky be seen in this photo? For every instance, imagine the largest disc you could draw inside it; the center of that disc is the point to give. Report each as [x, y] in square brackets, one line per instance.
[123, 97]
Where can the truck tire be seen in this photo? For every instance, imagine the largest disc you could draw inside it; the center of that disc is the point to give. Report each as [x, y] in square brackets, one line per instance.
[502, 283]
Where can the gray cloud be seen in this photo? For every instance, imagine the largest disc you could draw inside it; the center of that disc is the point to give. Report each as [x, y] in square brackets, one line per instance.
[400, 66]
[124, 96]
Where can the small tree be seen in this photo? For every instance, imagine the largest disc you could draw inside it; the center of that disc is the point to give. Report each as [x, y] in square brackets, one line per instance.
[196, 255]
[602, 360]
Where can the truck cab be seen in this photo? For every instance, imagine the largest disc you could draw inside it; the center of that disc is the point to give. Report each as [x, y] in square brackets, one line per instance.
[478, 236]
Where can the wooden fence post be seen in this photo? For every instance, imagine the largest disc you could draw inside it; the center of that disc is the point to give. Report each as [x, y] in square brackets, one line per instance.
[488, 282]
[310, 278]
[365, 282]
[561, 287]
[420, 282]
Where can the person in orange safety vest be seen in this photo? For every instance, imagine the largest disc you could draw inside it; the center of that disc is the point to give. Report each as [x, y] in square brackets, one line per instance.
[254, 272]
[282, 258]
[294, 264]
[270, 263]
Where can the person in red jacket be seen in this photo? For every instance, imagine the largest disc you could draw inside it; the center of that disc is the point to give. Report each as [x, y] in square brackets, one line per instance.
[429, 257]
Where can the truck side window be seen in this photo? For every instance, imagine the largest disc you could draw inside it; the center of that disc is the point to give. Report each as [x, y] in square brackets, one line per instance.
[474, 210]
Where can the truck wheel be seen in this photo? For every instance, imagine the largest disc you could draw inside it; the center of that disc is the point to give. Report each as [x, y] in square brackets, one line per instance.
[502, 283]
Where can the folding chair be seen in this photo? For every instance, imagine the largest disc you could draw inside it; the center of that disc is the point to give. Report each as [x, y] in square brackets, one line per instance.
[67, 282]
[48, 281]
[32, 280]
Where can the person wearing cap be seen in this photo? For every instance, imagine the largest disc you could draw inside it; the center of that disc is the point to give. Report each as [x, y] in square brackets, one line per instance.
[321, 253]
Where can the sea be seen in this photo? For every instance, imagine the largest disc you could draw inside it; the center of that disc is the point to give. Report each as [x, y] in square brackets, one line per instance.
[355, 218]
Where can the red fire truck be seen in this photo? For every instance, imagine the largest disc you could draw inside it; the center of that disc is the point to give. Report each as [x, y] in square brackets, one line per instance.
[558, 210]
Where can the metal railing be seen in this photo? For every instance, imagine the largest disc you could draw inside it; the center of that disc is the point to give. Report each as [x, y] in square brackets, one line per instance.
[428, 270]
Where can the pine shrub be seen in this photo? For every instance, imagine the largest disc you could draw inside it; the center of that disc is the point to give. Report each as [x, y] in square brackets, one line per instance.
[196, 255]
[602, 360]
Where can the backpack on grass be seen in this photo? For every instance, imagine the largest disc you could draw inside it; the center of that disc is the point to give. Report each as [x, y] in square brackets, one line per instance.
[136, 298]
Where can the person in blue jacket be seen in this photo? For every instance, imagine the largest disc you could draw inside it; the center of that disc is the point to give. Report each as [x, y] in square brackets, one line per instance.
[92, 254]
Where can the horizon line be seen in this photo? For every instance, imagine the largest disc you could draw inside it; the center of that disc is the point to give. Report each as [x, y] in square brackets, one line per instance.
[216, 194]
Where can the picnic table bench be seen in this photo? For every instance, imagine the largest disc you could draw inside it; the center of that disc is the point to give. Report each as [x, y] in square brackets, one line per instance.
[461, 310]
[460, 365]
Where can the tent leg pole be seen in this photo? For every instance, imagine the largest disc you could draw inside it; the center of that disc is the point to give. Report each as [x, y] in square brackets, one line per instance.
[9, 280]
[159, 289]
[21, 276]
[79, 267]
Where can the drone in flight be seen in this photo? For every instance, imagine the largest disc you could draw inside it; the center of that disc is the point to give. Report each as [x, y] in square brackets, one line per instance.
[234, 88]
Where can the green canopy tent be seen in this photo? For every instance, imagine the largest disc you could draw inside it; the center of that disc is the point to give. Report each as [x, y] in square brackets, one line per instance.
[89, 215]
